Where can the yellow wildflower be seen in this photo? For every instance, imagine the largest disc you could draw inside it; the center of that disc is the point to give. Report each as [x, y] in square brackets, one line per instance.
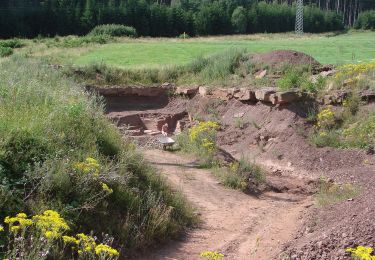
[361, 252]
[20, 219]
[102, 249]
[87, 242]
[1, 228]
[70, 240]
[210, 255]
[106, 188]
[50, 224]
[90, 165]
[14, 229]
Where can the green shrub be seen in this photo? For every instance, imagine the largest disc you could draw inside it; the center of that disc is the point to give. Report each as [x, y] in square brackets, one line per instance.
[329, 138]
[291, 79]
[360, 133]
[114, 30]
[201, 141]
[75, 41]
[57, 150]
[242, 175]
[366, 20]
[5, 51]
[12, 43]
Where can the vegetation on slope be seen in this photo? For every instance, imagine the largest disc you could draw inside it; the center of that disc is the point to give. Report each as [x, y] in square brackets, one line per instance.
[58, 152]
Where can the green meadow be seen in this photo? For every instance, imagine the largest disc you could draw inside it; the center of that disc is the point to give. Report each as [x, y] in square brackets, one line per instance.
[144, 52]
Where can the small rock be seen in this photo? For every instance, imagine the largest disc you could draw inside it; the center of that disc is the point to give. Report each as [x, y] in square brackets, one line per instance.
[239, 115]
[261, 74]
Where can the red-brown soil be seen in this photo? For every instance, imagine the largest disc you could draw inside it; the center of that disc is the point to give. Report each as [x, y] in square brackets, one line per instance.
[278, 58]
[276, 138]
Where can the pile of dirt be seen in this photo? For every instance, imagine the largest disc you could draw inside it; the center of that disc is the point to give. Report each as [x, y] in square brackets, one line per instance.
[277, 59]
[328, 231]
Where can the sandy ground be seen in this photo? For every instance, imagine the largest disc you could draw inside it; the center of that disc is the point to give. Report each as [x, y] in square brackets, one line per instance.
[238, 225]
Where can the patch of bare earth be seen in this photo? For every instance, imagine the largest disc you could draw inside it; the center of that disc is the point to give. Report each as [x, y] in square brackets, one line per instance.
[285, 220]
[233, 223]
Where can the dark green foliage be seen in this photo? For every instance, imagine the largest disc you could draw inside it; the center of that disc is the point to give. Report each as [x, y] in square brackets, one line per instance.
[366, 20]
[5, 51]
[239, 20]
[11, 43]
[114, 30]
[150, 18]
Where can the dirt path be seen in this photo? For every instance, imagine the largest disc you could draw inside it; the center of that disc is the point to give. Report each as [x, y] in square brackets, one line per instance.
[233, 223]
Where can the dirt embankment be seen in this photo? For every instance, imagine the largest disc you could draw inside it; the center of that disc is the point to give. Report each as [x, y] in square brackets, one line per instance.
[275, 136]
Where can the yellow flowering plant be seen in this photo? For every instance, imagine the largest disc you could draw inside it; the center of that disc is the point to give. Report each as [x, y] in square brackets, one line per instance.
[325, 118]
[203, 138]
[212, 255]
[89, 166]
[361, 253]
[37, 236]
[351, 75]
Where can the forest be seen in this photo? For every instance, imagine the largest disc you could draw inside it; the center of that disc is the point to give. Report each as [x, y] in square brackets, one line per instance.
[170, 18]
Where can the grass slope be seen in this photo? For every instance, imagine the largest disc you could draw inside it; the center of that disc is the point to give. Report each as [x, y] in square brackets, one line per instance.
[326, 48]
[49, 127]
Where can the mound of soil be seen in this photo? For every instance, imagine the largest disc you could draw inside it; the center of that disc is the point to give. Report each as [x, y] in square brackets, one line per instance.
[277, 59]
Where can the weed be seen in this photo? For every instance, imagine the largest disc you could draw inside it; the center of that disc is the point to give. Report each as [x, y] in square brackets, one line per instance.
[212, 255]
[256, 125]
[11, 43]
[325, 138]
[5, 51]
[331, 192]
[241, 175]
[239, 123]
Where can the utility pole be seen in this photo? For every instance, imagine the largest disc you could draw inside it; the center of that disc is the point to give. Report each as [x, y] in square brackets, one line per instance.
[299, 17]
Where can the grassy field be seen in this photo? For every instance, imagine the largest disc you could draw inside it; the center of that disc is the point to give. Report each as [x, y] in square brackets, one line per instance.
[326, 48]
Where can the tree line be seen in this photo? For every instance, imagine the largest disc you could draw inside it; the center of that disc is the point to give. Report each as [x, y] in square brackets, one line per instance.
[30, 18]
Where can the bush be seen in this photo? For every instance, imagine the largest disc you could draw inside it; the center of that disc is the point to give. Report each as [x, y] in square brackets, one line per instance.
[242, 175]
[366, 20]
[5, 51]
[201, 141]
[59, 152]
[114, 30]
[12, 43]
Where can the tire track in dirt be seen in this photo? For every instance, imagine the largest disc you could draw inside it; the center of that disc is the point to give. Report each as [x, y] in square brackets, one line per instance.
[238, 225]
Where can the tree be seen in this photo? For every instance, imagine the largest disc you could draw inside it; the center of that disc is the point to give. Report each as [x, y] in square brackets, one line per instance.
[239, 20]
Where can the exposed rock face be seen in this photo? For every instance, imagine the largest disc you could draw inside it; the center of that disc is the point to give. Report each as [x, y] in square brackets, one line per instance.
[335, 97]
[222, 93]
[284, 97]
[187, 91]
[244, 94]
[264, 94]
[132, 90]
[203, 91]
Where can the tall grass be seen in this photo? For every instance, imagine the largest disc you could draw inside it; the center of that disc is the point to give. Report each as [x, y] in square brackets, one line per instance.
[48, 124]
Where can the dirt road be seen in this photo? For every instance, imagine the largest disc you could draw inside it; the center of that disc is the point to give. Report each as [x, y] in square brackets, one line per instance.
[238, 225]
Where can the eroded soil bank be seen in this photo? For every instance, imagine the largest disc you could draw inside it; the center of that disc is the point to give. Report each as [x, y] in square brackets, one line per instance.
[286, 222]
